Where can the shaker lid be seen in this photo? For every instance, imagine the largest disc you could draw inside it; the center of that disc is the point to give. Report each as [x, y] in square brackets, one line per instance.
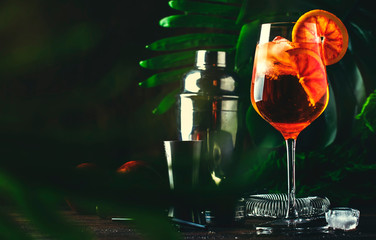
[211, 81]
[211, 58]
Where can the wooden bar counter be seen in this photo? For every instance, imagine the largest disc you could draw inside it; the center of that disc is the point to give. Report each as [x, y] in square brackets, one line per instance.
[107, 229]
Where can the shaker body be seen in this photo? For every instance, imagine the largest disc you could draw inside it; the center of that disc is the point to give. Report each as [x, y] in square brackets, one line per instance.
[210, 108]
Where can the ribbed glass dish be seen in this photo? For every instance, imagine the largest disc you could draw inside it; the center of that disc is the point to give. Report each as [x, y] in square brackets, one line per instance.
[275, 206]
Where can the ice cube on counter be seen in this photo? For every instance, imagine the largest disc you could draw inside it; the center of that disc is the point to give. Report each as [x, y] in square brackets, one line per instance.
[342, 218]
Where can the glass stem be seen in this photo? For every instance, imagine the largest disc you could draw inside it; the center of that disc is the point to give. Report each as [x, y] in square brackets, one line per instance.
[291, 204]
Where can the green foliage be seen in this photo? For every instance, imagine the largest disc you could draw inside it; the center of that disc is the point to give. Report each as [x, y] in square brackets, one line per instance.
[367, 115]
[198, 21]
[166, 103]
[164, 77]
[205, 8]
[246, 44]
[193, 40]
[172, 60]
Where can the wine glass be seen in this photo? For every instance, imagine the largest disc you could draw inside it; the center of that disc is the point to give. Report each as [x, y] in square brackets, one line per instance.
[289, 90]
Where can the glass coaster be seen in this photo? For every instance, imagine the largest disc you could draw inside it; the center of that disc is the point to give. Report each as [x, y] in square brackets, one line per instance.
[275, 206]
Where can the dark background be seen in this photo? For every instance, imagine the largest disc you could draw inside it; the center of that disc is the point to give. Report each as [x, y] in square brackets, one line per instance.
[69, 84]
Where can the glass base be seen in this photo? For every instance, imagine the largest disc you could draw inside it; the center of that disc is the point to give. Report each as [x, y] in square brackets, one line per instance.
[293, 226]
[275, 206]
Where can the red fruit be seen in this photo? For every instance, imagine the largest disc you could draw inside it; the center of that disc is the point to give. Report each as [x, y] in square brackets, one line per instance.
[87, 165]
[138, 175]
[132, 166]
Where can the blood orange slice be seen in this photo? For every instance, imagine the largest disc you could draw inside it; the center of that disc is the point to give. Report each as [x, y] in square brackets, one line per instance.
[329, 28]
[311, 73]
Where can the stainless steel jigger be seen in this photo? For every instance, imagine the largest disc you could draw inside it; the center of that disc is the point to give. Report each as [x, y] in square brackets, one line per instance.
[183, 164]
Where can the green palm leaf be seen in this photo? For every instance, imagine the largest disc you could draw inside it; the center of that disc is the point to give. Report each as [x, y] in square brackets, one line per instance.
[169, 60]
[247, 41]
[227, 1]
[198, 21]
[163, 78]
[193, 40]
[166, 102]
[368, 112]
[205, 8]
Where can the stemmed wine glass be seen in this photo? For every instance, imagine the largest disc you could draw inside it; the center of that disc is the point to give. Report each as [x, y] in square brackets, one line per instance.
[289, 90]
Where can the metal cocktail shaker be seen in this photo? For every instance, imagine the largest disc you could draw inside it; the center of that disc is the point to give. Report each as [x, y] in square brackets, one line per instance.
[210, 108]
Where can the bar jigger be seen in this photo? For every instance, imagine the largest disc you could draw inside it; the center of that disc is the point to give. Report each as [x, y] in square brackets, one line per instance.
[183, 163]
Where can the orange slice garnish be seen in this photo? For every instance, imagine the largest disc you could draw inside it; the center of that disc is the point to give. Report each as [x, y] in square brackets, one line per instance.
[330, 29]
[311, 73]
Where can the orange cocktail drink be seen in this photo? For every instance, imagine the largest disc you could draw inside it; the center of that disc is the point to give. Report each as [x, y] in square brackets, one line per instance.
[289, 86]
